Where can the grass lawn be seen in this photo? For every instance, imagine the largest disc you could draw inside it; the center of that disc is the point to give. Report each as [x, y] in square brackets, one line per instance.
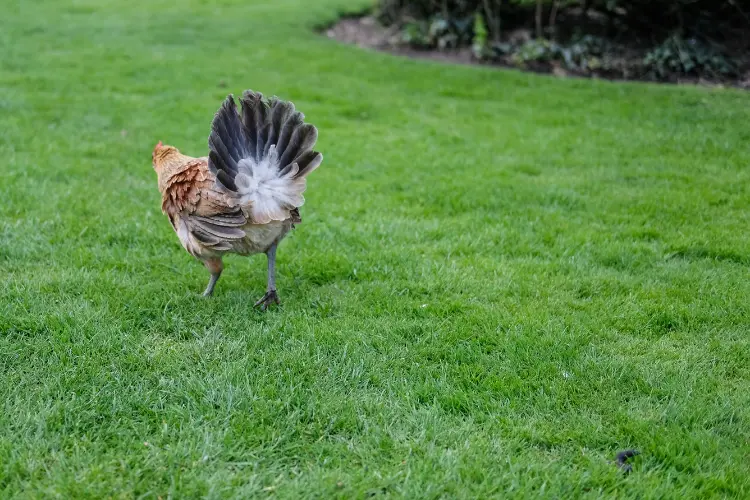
[501, 279]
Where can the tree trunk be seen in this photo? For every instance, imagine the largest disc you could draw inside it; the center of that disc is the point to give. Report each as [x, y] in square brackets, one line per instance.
[553, 15]
[493, 21]
[539, 30]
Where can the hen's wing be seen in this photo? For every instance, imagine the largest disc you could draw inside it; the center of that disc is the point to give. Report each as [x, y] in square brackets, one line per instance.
[190, 197]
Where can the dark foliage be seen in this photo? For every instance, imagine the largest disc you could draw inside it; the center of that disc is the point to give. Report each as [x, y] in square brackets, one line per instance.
[659, 38]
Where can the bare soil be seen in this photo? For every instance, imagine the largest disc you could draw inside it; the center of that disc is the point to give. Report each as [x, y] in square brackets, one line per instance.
[367, 33]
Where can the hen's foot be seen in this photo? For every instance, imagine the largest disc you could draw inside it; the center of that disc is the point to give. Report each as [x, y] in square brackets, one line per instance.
[215, 266]
[211, 284]
[271, 297]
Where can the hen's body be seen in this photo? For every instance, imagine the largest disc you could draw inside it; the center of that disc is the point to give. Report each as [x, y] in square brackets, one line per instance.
[244, 197]
[207, 201]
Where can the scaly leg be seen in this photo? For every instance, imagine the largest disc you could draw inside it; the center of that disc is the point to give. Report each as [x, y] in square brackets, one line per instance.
[215, 266]
[271, 297]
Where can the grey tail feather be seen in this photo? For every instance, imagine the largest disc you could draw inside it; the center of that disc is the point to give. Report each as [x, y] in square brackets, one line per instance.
[250, 135]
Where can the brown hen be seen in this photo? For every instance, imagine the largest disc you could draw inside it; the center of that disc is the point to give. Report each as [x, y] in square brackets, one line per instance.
[244, 197]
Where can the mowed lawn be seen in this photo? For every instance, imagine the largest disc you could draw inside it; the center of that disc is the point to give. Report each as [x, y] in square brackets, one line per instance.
[501, 279]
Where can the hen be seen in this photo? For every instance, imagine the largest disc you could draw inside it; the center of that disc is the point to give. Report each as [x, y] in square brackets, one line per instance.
[243, 198]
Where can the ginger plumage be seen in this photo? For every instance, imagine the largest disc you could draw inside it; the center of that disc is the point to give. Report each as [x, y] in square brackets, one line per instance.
[244, 197]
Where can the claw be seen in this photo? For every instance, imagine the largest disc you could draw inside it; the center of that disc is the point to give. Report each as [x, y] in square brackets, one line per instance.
[271, 297]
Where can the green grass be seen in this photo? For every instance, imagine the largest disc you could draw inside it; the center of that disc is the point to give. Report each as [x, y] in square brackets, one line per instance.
[501, 280]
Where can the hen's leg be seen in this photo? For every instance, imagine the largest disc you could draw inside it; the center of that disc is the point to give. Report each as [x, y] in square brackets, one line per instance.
[215, 266]
[271, 297]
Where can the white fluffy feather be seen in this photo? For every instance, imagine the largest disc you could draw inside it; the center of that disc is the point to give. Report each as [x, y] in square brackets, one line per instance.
[264, 193]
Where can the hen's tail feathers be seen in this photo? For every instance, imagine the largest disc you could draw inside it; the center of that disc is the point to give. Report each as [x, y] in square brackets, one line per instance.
[263, 155]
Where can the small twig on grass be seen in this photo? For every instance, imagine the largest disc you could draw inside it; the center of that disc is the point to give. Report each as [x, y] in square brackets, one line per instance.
[622, 460]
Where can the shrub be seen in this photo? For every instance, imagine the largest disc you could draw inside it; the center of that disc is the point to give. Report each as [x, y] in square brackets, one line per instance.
[684, 37]
[688, 57]
[716, 19]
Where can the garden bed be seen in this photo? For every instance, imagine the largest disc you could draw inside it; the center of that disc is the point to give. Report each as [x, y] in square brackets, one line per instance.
[365, 31]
